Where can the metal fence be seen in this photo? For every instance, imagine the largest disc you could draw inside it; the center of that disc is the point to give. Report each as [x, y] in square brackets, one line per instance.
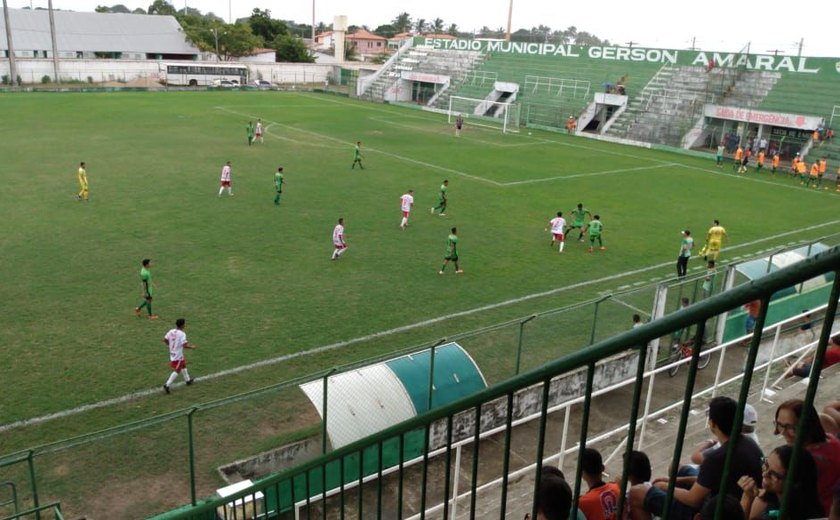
[185, 451]
[378, 488]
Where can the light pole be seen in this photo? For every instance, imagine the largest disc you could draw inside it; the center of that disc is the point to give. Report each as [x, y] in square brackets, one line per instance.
[216, 36]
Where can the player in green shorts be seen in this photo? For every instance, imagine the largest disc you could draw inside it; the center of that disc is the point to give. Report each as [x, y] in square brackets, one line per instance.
[451, 252]
[579, 220]
[441, 205]
[595, 228]
[147, 289]
[278, 185]
[250, 133]
[357, 156]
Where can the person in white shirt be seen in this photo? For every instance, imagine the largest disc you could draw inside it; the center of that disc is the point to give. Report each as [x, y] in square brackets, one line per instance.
[338, 239]
[558, 224]
[224, 180]
[176, 340]
[258, 132]
[406, 202]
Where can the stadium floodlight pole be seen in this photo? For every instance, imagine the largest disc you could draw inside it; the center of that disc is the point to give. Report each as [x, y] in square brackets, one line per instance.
[11, 47]
[230, 15]
[54, 42]
[510, 19]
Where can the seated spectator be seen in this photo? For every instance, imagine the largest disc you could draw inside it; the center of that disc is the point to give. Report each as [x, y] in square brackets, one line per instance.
[803, 503]
[554, 497]
[697, 456]
[690, 493]
[731, 509]
[638, 479]
[824, 449]
[803, 368]
[601, 501]
[829, 425]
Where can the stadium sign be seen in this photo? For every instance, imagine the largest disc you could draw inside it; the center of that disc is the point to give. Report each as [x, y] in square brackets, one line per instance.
[732, 60]
[762, 117]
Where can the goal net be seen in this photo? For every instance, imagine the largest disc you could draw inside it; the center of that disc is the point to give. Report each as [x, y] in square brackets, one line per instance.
[503, 115]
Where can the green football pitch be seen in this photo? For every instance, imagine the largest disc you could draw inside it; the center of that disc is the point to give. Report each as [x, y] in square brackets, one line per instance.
[255, 281]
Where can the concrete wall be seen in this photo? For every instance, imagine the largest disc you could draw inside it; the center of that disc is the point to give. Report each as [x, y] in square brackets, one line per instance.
[274, 461]
[148, 71]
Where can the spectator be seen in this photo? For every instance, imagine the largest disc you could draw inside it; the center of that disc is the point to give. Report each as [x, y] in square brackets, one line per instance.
[638, 478]
[554, 497]
[731, 509]
[803, 503]
[637, 321]
[601, 501]
[690, 493]
[803, 368]
[752, 308]
[825, 450]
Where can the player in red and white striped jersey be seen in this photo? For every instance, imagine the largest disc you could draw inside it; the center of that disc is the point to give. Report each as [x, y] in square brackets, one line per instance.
[406, 202]
[338, 239]
[224, 180]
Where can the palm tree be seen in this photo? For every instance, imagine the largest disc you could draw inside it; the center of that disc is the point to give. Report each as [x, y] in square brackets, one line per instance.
[437, 25]
[453, 29]
[402, 23]
[420, 25]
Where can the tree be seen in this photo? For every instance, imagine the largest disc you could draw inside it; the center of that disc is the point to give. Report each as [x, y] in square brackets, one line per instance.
[237, 40]
[162, 7]
[102, 9]
[139, 10]
[420, 25]
[453, 29]
[265, 27]
[291, 49]
[437, 25]
[386, 31]
[402, 23]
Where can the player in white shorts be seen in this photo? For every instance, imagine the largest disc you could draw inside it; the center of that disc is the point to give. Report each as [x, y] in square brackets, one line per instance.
[176, 341]
[224, 180]
[558, 224]
[338, 239]
[406, 202]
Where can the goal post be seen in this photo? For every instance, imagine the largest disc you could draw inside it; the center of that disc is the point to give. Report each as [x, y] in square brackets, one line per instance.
[502, 115]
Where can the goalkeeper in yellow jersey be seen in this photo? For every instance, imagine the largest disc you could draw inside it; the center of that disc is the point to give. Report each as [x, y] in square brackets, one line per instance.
[714, 238]
[83, 183]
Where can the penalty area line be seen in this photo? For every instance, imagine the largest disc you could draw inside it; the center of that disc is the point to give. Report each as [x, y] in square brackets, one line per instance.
[333, 346]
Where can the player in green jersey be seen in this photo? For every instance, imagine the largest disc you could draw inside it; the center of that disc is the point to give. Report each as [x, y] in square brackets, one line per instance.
[595, 228]
[357, 156]
[147, 289]
[579, 220]
[250, 133]
[451, 254]
[441, 205]
[278, 185]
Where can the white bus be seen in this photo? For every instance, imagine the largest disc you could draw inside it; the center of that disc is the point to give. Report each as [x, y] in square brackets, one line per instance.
[199, 74]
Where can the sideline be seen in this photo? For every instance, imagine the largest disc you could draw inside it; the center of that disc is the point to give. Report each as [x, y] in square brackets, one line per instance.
[333, 346]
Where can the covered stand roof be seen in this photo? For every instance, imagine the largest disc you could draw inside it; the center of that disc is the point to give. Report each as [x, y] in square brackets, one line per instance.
[96, 32]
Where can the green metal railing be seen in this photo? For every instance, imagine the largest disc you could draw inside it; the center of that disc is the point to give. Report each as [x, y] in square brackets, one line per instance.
[305, 486]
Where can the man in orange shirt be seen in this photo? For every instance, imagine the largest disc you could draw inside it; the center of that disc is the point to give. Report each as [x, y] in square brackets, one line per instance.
[571, 124]
[815, 177]
[601, 501]
[801, 169]
[760, 159]
[739, 154]
[775, 162]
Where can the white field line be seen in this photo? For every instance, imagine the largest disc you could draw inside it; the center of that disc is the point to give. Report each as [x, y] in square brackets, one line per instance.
[447, 129]
[333, 346]
[590, 174]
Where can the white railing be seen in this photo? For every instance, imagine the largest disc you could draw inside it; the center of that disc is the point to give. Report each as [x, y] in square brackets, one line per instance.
[559, 456]
[367, 82]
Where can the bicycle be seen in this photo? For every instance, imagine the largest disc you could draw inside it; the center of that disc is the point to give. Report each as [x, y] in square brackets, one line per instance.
[685, 350]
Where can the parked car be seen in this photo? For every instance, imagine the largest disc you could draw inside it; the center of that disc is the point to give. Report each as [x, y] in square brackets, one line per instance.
[223, 83]
[261, 83]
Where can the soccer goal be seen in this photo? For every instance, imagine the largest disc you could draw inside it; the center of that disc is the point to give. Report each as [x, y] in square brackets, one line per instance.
[481, 112]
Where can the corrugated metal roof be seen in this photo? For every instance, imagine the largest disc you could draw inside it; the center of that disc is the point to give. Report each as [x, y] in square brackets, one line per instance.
[96, 32]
